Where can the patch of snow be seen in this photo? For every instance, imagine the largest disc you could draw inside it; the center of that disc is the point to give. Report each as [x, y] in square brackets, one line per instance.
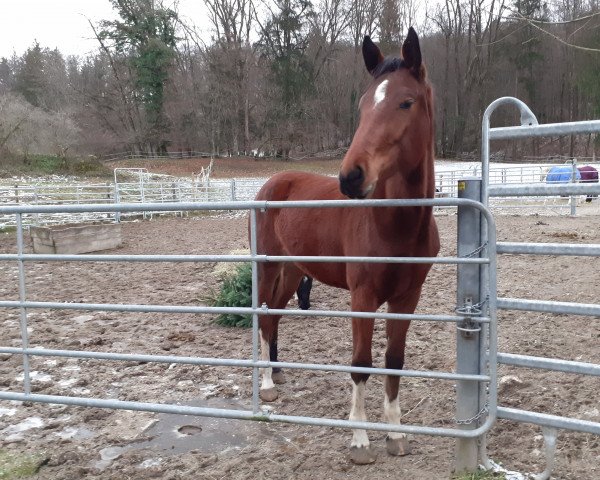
[151, 462]
[7, 412]
[594, 412]
[15, 432]
[75, 432]
[71, 368]
[81, 319]
[208, 390]
[35, 376]
[67, 383]
[80, 391]
[509, 474]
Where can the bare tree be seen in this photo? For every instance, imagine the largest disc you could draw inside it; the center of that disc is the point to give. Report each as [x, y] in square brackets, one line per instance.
[231, 21]
[468, 28]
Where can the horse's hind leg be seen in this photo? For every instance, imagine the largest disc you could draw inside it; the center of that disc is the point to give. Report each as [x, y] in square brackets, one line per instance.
[277, 283]
[396, 330]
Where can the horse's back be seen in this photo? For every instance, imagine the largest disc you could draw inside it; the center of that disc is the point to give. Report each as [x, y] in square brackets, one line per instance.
[303, 231]
[292, 185]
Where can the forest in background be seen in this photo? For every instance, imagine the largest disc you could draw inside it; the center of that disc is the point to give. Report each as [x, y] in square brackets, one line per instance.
[283, 77]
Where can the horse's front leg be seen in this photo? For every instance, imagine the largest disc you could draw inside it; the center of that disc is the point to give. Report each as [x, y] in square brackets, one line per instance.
[268, 347]
[396, 330]
[362, 336]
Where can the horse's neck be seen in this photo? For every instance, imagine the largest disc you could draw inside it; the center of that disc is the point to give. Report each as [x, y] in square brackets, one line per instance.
[420, 183]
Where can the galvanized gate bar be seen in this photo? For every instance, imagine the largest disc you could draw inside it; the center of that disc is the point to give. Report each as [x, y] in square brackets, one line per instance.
[40, 257]
[21, 305]
[255, 326]
[567, 308]
[540, 190]
[546, 420]
[121, 307]
[589, 250]
[245, 205]
[228, 362]
[544, 130]
[241, 415]
[554, 364]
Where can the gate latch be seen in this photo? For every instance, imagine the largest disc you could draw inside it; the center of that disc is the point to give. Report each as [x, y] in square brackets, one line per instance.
[468, 327]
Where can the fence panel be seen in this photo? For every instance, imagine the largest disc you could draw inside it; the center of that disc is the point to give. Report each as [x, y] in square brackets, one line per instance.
[530, 128]
[24, 305]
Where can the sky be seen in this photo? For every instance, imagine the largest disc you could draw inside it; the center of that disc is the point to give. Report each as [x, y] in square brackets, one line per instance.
[63, 24]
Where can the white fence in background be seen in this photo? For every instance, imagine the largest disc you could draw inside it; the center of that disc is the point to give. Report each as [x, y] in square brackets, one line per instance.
[141, 186]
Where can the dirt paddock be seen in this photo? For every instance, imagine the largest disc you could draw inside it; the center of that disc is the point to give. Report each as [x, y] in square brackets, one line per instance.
[75, 442]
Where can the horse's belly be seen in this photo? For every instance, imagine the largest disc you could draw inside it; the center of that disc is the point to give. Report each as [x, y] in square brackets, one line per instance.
[333, 274]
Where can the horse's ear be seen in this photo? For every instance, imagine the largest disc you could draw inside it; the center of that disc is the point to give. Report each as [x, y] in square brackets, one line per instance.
[371, 54]
[411, 54]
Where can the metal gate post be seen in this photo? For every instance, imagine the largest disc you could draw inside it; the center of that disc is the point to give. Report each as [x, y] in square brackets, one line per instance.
[468, 334]
[573, 180]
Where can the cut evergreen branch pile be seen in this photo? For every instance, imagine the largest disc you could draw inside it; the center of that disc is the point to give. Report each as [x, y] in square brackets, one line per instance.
[236, 291]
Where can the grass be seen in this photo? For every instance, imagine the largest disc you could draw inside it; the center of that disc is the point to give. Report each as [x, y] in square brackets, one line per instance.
[480, 475]
[14, 465]
[52, 164]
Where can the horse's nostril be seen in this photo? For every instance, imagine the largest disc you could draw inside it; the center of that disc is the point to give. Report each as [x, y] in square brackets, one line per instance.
[351, 184]
[355, 175]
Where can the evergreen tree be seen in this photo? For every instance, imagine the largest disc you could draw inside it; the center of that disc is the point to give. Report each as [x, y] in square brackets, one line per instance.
[29, 79]
[284, 41]
[146, 34]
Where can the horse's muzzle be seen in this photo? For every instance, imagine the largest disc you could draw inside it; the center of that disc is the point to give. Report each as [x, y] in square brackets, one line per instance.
[351, 184]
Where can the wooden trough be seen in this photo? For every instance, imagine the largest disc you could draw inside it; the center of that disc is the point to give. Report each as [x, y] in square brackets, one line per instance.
[71, 239]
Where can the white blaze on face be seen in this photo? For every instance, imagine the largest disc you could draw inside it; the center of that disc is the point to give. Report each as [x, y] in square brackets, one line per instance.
[380, 92]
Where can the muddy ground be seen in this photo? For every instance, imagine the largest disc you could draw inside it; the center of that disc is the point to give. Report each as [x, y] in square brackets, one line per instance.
[75, 442]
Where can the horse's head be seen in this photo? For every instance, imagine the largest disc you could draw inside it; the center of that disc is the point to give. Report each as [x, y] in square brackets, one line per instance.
[395, 133]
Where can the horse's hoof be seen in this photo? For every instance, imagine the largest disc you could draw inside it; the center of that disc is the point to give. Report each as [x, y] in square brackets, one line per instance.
[397, 446]
[278, 378]
[362, 455]
[268, 395]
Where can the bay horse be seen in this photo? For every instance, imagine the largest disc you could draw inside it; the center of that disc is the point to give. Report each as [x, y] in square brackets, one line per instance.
[391, 157]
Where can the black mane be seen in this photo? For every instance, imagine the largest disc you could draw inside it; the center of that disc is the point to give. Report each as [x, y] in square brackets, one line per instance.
[389, 64]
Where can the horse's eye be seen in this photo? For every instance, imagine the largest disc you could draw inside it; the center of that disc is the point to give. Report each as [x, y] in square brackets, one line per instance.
[406, 105]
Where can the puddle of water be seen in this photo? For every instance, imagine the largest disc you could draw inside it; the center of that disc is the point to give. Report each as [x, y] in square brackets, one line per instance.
[189, 430]
[107, 455]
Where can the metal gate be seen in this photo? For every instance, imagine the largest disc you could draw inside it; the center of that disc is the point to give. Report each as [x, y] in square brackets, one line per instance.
[530, 128]
[471, 375]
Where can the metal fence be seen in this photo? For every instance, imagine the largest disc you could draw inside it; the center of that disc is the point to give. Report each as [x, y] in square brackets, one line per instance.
[467, 314]
[530, 128]
[145, 187]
